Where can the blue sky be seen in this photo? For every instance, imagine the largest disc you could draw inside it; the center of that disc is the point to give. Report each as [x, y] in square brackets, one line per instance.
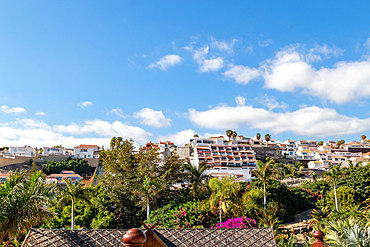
[81, 72]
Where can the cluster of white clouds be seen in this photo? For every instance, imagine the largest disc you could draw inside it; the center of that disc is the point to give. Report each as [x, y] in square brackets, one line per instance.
[308, 121]
[26, 131]
[292, 69]
[13, 110]
[37, 133]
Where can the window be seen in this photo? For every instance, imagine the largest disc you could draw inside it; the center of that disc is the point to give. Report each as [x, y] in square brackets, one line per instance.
[83, 150]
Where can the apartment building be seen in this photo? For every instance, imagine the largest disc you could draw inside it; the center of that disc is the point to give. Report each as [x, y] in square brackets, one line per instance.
[225, 159]
[164, 149]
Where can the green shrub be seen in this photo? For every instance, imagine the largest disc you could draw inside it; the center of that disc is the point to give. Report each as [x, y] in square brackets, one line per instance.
[77, 165]
[290, 199]
[346, 197]
[186, 215]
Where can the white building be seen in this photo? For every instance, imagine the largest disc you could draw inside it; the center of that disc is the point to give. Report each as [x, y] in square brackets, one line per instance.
[87, 151]
[319, 164]
[224, 159]
[22, 151]
[53, 151]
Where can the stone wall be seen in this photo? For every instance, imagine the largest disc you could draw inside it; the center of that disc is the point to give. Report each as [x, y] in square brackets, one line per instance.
[271, 152]
[184, 152]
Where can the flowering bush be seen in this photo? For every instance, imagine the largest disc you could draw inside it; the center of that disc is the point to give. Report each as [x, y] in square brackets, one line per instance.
[241, 222]
[186, 215]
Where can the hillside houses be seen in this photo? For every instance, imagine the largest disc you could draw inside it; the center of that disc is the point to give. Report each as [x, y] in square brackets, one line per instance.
[81, 151]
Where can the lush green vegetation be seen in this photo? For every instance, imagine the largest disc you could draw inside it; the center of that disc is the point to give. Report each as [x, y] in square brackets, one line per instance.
[79, 166]
[133, 181]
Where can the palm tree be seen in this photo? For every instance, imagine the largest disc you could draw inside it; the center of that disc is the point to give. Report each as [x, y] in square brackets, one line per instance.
[267, 137]
[251, 200]
[234, 135]
[334, 175]
[258, 136]
[196, 176]
[22, 203]
[148, 187]
[350, 164]
[224, 194]
[229, 133]
[72, 192]
[264, 173]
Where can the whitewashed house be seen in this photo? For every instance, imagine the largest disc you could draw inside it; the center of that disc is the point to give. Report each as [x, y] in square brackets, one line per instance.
[53, 151]
[22, 151]
[87, 151]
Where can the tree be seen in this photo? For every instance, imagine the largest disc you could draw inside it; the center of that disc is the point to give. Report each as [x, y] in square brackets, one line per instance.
[267, 137]
[320, 143]
[34, 167]
[74, 164]
[125, 168]
[148, 186]
[22, 203]
[363, 137]
[196, 176]
[229, 133]
[72, 192]
[258, 136]
[334, 175]
[264, 173]
[340, 143]
[196, 136]
[224, 194]
[234, 135]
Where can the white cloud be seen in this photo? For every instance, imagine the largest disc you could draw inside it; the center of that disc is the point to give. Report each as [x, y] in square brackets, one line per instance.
[309, 121]
[85, 104]
[240, 100]
[266, 42]
[118, 112]
[40, 113]
[14, 110]
[105, 129]
[242, 74]
[38, 134]
[179, 138]
[367, 44]
[205, 65]
[165, 62]
[290, 71]
[153, 118]
[314, 54]
[223, 45]
[212, 64]
[30, 123]
[271, 103]
[200, 55]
